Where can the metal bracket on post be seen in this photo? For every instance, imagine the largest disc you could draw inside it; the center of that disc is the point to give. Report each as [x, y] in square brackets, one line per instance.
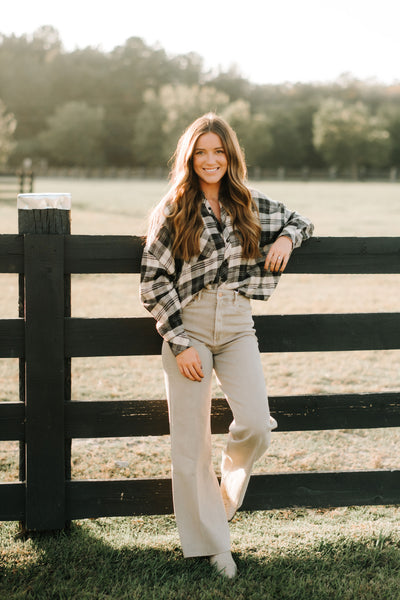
[44, 219]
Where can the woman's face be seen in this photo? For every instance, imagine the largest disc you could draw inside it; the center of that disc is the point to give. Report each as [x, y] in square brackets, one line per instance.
[210, 162]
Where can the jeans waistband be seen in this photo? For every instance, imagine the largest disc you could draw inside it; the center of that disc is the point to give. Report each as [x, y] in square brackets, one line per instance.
[219, 286]
[221, 290]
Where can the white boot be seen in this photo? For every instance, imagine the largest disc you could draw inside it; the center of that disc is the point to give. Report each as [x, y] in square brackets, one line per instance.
[225, 564]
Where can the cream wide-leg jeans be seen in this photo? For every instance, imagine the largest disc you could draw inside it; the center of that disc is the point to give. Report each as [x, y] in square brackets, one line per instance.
[220, 325]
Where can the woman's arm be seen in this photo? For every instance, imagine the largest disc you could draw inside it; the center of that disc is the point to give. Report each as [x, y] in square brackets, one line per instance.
[159, 297]
[158, 293]
[295, 226]
[286, 230]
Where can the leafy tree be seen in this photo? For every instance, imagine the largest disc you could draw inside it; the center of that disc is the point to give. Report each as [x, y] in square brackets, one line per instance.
[259, 143]
[166, 115]
[182, 104]
[133, 69]
[390, 116]
[7, 128]
[289, 109]
[232, 83]
[149, 138]
[288, 147]
[74, 135]
[348, 135]
[25, 81]
[238, 115]
[149, 97]
[253, 131]
[186, 69]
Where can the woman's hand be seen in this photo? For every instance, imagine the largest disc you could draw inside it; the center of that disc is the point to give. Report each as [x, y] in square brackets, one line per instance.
[189, 364]
[279, 254]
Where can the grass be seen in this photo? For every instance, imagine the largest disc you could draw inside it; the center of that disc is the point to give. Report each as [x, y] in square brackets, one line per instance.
[345, 553]
[299, 554]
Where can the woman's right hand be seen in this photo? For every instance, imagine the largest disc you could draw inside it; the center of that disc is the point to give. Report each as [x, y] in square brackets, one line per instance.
[189, 364]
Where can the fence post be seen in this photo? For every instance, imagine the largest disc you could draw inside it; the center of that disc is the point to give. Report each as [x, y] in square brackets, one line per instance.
[45, 296]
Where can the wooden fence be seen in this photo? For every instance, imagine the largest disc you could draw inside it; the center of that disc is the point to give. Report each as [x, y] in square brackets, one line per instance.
[45, 338]
[12, 184]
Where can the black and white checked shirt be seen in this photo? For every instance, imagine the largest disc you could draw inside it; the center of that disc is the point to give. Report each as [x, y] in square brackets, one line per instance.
[167, 286]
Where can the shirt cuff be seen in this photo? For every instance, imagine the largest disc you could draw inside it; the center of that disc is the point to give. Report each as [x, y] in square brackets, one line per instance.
[178, 348]
[291, 233]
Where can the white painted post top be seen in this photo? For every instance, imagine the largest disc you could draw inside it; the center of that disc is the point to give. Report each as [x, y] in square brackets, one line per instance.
[30, 201]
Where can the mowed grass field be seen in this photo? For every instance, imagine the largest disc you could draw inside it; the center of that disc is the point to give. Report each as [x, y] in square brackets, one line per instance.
[295, 544]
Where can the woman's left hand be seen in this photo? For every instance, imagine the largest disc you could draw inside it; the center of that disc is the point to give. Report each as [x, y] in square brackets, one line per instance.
[278, 255]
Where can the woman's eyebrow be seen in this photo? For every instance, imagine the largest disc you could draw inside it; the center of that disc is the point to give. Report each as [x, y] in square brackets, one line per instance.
[216, 148]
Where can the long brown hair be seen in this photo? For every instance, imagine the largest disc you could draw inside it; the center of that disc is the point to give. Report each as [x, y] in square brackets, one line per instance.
[181, 206]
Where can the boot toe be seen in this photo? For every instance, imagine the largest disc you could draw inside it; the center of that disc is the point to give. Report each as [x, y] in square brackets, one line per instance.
[224, 564]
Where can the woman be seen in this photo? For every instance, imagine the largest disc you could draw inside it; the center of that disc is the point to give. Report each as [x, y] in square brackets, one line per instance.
[212, 245]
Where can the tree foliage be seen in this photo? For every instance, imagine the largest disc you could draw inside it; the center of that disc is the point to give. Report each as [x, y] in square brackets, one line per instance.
[127, 107]
[74, 135]
[347, 134]
[389, 115]
[7, 128]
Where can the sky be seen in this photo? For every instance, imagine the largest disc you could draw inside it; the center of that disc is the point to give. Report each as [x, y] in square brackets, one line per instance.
[268, 41]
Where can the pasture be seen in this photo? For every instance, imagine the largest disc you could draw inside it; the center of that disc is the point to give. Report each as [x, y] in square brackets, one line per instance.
[337, 209]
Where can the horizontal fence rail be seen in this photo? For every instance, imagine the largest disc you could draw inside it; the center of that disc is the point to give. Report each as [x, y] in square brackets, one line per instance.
[36, 257]
[129, 418]
[276, 333]
[122, 254]
[114, 498]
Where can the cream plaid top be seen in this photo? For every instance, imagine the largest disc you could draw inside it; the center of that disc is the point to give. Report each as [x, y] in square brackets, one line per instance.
[168, 285]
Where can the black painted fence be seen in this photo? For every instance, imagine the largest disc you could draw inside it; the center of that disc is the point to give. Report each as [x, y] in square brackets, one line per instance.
[45, 338]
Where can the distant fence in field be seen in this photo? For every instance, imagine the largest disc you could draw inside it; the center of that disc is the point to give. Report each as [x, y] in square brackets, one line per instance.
[255, 173]
[44, 338]
[12, 184]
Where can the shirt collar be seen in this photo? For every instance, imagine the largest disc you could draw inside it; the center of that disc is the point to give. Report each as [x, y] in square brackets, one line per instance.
[209, 209]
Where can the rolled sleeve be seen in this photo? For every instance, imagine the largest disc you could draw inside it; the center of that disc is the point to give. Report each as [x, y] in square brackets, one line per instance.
[297, 228]
[159, 296]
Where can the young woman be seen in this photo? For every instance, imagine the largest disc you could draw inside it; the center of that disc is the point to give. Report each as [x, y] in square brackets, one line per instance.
[212, 245]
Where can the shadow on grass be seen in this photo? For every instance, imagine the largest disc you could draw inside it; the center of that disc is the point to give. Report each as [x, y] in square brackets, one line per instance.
[78, 564]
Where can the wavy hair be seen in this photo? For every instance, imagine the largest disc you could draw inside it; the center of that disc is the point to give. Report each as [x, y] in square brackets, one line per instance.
[182, 204]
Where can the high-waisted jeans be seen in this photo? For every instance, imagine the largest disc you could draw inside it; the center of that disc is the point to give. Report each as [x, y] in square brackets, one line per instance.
[220, 325]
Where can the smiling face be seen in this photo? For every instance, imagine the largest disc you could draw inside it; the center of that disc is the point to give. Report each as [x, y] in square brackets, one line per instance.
[210, 162]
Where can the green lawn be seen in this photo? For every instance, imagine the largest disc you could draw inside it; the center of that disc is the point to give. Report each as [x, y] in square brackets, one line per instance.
[299, 554]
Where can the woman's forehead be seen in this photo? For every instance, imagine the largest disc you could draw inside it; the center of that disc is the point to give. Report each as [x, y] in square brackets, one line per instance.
[209, 140]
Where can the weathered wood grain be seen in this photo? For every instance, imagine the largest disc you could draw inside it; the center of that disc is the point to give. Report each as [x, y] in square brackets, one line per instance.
[276, 333]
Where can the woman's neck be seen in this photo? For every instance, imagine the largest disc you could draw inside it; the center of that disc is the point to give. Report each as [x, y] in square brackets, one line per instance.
[211, 192]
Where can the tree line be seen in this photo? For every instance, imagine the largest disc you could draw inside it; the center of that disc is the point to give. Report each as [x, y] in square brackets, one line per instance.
[127, 107]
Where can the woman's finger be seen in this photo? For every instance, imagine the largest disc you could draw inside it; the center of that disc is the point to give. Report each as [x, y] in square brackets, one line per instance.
[284, 263]
[192, 371]
[273, 264]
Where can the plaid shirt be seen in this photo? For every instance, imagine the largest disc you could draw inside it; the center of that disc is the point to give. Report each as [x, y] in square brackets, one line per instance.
[167, 286]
